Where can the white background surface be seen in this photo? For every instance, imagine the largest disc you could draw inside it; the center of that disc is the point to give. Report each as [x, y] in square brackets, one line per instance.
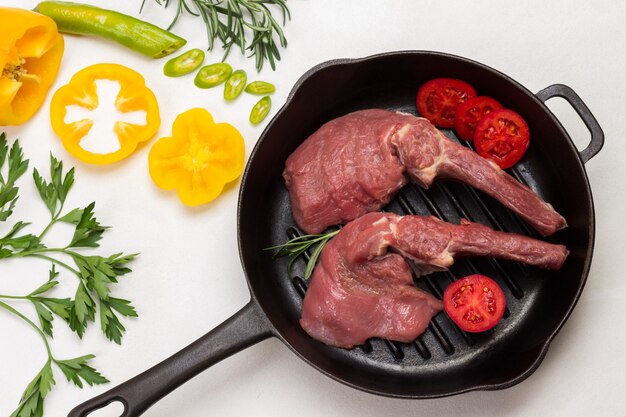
[188, 278]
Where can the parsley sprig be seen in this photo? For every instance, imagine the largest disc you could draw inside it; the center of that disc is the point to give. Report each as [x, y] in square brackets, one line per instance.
[95, 274]
[17, 167]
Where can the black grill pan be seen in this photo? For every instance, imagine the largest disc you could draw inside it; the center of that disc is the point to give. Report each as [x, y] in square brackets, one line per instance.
[444, 360]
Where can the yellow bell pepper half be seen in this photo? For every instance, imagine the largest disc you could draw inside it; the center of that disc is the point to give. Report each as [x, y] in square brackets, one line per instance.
[31, 49]
[199, 159]
[81, 91]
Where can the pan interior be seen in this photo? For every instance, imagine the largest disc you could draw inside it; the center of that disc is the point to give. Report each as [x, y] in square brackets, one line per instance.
[444, 360]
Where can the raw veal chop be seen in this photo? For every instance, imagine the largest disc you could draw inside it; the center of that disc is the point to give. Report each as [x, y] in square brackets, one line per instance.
[355, 164]
[360, 290]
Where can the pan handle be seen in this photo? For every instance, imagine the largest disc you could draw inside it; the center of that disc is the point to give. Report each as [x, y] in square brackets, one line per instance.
[245, 328]
[597, 135]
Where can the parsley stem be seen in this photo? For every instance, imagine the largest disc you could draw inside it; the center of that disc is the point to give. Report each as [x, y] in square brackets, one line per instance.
[14, 297]
[39, 253]
[55, 218]
[55, 261]
[52, 222]
[35, 251]
[32, 324]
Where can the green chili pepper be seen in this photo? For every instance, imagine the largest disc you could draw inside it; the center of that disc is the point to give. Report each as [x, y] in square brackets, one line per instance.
[235, 84]
[260, 88]
[260, 110]
[140, 36]
[212, 75]
[184, 64]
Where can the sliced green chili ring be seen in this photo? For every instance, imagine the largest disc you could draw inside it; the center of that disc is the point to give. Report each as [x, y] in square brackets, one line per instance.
[184, 64]
[235, 84]
[140, 36]
[260, 110]
[212, 75]
[260, 88]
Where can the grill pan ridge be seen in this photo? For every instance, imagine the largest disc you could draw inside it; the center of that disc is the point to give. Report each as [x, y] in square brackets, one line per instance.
[443, 360]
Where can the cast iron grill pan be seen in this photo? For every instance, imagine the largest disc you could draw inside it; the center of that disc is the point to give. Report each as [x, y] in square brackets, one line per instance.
[444, 360]
[443, 343]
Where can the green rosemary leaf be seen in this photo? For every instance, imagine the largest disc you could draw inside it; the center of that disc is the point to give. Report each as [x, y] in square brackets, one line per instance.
[299, 246]
[226, 20]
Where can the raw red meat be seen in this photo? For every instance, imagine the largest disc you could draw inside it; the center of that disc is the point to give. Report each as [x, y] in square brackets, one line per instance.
[356, 163]
[359, 290]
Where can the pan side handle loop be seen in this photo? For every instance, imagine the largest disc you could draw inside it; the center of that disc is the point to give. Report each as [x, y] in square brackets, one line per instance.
[597, 135]
[245, 328]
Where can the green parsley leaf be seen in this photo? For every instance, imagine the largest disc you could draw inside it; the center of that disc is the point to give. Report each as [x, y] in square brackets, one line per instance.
[82, 310]
[17, 164]
[109, 321]
[17, 227]
[76, 370]
[25, 242]
[62, 187]
[31, 403]
[122, 306]
[73, 217]
[118, 263]
[47, 192]
[45, 317]
[4, 148]
[7, 195]
[16, 167]
[88, 231]
[59, 306]
[95, 273]
[53, 274]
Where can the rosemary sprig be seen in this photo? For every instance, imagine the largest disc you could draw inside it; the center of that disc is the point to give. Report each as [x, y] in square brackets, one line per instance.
[233, 21]
[300, 246]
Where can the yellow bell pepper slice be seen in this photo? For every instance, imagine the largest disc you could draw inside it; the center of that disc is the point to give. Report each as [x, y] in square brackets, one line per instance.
[199, 159]
[81, 90]
[31, 49]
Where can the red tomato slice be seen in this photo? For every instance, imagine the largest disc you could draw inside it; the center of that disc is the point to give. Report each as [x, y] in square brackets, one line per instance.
[475, 303]
[502, 136]
[468, 115]
[438, 99]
